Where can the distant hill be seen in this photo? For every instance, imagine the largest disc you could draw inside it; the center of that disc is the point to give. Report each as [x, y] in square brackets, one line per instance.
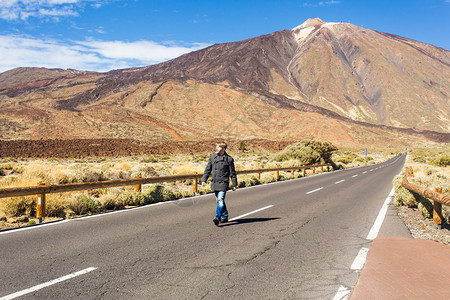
[331, 81]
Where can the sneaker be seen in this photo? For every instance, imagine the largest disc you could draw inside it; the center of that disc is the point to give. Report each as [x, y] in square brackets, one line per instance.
[224, 220]
[216, 222]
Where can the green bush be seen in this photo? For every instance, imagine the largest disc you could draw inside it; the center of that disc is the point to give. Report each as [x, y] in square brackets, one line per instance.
[18, 206]
[248, 180]
[55, 207]
[345, 159]
[443, 161]
[307, 152]
[403, 197]
[111, 202]
[84, 204]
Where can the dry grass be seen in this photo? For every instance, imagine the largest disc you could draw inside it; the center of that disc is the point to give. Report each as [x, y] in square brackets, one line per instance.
[426, 175]
[28, 172]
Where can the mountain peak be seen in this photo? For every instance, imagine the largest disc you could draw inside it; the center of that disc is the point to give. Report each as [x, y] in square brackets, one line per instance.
[302, 31]
[310, 23]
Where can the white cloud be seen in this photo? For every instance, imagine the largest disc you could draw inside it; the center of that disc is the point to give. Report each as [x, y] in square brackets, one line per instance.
[12, 10]
[93, 55]
[321, 3]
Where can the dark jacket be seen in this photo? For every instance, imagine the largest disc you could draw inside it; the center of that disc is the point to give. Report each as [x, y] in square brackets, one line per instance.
[222, 168]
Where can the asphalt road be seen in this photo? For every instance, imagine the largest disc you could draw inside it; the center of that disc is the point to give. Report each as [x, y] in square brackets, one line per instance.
[298, 241]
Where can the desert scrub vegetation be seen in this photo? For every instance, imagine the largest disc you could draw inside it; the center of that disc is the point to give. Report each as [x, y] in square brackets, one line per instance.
[28, 172]
[307, 152]
[431, 169]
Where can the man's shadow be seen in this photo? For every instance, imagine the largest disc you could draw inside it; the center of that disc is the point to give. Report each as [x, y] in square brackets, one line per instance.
[246, 221]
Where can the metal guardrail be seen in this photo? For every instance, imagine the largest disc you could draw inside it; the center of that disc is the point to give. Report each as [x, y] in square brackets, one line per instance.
[43, 189]
[435, 195]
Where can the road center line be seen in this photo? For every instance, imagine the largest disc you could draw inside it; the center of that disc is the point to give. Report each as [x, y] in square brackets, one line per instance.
[354, 176]
[252, 212]
[47, 284]
[314, 190]
[339, 181]
[380, 218]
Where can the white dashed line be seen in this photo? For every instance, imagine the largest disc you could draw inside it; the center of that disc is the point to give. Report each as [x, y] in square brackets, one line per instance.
[47, 284]
[339, 181]
[314, 190]
[354, 176]
[252, 212]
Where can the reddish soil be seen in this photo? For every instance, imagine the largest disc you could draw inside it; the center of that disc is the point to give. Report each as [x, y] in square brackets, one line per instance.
[81, 148]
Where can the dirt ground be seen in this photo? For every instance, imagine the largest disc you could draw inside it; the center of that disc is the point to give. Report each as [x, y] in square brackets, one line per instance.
[82, 148]
[424, 228]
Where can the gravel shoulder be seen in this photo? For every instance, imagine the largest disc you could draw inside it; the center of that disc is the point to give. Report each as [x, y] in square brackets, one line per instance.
[423, 228]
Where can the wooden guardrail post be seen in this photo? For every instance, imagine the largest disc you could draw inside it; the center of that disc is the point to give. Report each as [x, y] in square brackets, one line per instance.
[195, 184]
[321, 168]
[411, 174]
[138, 187]
[278, 175]
[40, 205]
[314, 170]
[437, 210]
[258, 175]
[292, 173]
[304, 172]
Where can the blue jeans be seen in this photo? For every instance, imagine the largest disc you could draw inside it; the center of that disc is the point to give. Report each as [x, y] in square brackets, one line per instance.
[221, 211]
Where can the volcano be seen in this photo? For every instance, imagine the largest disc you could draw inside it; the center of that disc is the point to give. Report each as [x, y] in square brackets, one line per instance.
[338, 82]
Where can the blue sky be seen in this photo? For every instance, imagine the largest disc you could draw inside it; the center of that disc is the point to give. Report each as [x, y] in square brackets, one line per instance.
[101, 35]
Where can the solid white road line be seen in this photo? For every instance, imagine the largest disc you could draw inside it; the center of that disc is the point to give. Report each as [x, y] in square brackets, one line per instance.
[360, 259]
[339, 181]
[314, 190]
[380, 218]
[252, 212]
[47, 284]
[342, 293]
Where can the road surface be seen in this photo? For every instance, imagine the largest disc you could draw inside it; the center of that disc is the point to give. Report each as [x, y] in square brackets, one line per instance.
[296, 239]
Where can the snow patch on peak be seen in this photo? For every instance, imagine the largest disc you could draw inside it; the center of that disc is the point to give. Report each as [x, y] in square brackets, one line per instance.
[310, 23]
[304, 30]
[302, 33]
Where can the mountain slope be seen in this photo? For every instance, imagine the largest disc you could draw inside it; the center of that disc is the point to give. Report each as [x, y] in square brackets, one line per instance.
[331, 81]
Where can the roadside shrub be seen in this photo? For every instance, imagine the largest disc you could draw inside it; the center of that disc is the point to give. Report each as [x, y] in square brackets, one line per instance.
[345, 159]
[126, 199]
[159, 193]
[55, 205]
[403, 197]
[147, 171]
[110, 202]
[84, 204]
[267, 178]
[149, 159]
[426, 208]
[443, 161]
[140, 199]
[248, 180]
[307, 152]
[18, 206]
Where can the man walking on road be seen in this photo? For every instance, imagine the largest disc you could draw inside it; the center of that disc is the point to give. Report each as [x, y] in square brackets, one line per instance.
[221, 165]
